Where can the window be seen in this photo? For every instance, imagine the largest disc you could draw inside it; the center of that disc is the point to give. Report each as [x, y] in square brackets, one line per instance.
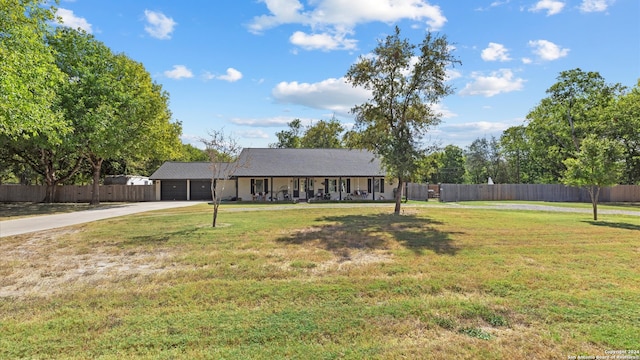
[333, 185]
[259, 186]
[378, 185]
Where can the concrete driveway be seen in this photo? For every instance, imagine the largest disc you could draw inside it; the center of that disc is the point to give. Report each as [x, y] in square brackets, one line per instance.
[47, 222]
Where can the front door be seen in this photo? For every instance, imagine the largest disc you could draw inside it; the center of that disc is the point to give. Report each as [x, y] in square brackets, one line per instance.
[310, 194]
[299, 188]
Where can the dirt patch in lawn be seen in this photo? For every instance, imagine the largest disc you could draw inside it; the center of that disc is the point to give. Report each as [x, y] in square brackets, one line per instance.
[51, 262]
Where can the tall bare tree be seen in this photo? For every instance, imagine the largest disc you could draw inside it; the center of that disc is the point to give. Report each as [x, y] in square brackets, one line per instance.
[224, 161]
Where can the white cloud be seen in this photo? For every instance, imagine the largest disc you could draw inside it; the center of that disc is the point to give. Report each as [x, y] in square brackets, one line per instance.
[278, 121]
[324, 41]
[595, 5]
[69, 19]
[462, 134]
[232, 75]
[526, 60]
[452, 74]
[159, 25]
[495, 52]
[497, 82]
[331, 94]
[332, 20]
[178, 72]
[476, 127]
[552, 7]
[444, 112]
[548, 51]
[253, 134]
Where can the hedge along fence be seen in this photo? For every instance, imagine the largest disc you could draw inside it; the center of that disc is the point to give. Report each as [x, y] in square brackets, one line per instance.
[78, 193]
[535, 192]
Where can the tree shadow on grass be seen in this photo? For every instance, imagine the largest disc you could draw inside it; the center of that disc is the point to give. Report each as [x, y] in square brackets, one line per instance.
[375, 232]
[616, 225]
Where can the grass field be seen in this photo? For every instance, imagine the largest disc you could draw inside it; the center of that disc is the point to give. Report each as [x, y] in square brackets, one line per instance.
[324, 283]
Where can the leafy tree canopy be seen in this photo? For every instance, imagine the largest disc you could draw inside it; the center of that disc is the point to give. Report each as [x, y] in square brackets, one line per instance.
[406, 82]
[28, 74]
[596, 165]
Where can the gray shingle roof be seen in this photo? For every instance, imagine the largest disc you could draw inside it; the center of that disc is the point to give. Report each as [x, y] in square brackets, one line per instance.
[175, 170]
[284, 163]
[309, 163]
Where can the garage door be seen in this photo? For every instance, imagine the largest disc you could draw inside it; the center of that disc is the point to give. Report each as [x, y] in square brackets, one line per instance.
[173, 190]
[201, 190]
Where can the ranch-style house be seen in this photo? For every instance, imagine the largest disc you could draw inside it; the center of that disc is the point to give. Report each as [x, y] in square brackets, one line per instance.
[278, 175]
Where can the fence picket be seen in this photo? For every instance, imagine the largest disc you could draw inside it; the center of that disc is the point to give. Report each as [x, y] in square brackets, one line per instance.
[523, 192]
[78, 193]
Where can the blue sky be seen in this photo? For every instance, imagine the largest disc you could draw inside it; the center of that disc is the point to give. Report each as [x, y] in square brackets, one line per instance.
[251, 66]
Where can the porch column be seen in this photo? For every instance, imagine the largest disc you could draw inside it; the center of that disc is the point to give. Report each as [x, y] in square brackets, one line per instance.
[340, 187]
[271, 190]
[188, 189]
[373, 188]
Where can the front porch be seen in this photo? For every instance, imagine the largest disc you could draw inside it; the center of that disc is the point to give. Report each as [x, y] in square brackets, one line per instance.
[313, 189]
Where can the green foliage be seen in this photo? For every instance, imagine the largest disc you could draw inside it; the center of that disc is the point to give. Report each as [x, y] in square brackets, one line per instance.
[596, 165]
[406, 82]
[28, 75]
[478, 162]
[117, 111]
[289, 139]
[516, 149]
[192, 153]
[323, 135]
[452, 165]
[622, 122]
[569, 113]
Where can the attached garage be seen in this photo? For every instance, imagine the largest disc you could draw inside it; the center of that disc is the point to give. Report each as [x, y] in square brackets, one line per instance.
[173, 189]
[187, 181]
[201, 190]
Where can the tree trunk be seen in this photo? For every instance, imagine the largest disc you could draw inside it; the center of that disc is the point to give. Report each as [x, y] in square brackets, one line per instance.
[50, 193]
[96, 165]
[396, 211]
[50, 180]
[594, 191]
[215, 213]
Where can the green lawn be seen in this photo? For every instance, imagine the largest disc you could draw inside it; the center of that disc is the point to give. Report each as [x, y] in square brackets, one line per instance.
[324, 283]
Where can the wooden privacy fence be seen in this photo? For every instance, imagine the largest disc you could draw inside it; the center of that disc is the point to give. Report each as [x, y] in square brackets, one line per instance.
[535, 192]
[422, 191]
[78, 193]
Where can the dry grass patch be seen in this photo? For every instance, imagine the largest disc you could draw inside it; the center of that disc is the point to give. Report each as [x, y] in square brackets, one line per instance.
[57, 261]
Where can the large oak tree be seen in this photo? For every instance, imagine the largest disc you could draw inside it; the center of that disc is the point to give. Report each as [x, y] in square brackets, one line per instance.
[117, 110]
[571, 111]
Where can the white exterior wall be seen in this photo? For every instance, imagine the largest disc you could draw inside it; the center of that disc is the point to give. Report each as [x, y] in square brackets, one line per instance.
[229, 188]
